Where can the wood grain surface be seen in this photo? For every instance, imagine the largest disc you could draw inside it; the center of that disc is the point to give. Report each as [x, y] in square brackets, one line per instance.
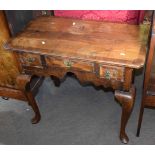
[117, 44]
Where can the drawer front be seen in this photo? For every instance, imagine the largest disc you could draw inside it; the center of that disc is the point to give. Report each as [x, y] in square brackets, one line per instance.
[69, 64]
[111, 72]
[30, 60]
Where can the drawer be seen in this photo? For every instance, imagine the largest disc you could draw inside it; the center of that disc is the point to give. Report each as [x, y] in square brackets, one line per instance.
[111, 72]
[31, 60]
[69, 64]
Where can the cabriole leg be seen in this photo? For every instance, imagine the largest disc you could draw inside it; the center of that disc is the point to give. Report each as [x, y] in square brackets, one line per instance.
[23, 82]
[126, 99]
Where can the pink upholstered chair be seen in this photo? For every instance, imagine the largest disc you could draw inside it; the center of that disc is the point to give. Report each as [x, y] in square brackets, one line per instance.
[123, 16]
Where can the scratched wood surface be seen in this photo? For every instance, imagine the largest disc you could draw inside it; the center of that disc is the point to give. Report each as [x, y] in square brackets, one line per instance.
[111, 43]
[8, 69]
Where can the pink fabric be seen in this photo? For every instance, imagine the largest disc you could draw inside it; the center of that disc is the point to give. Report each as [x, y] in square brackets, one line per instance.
[123, 16]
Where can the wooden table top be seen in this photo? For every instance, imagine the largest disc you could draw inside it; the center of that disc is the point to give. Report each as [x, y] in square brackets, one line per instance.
[112, 43]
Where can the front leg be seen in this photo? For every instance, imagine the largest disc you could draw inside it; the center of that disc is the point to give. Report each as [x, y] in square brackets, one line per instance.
[23, 82]
[126, 99]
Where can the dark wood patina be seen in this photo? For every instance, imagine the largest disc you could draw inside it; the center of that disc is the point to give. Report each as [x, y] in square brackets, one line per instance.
[104, 54]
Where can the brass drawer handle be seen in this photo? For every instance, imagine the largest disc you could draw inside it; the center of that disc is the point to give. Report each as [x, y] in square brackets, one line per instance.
[107, 74]
[68, 63]
[30, 60]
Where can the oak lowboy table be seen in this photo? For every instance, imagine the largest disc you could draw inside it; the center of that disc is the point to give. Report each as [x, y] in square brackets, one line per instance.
[101, 53]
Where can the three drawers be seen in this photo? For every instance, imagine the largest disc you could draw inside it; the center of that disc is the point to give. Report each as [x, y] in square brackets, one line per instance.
[107, 72]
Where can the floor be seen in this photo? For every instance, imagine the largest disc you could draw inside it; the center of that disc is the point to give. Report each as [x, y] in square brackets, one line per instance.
[73, 114]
